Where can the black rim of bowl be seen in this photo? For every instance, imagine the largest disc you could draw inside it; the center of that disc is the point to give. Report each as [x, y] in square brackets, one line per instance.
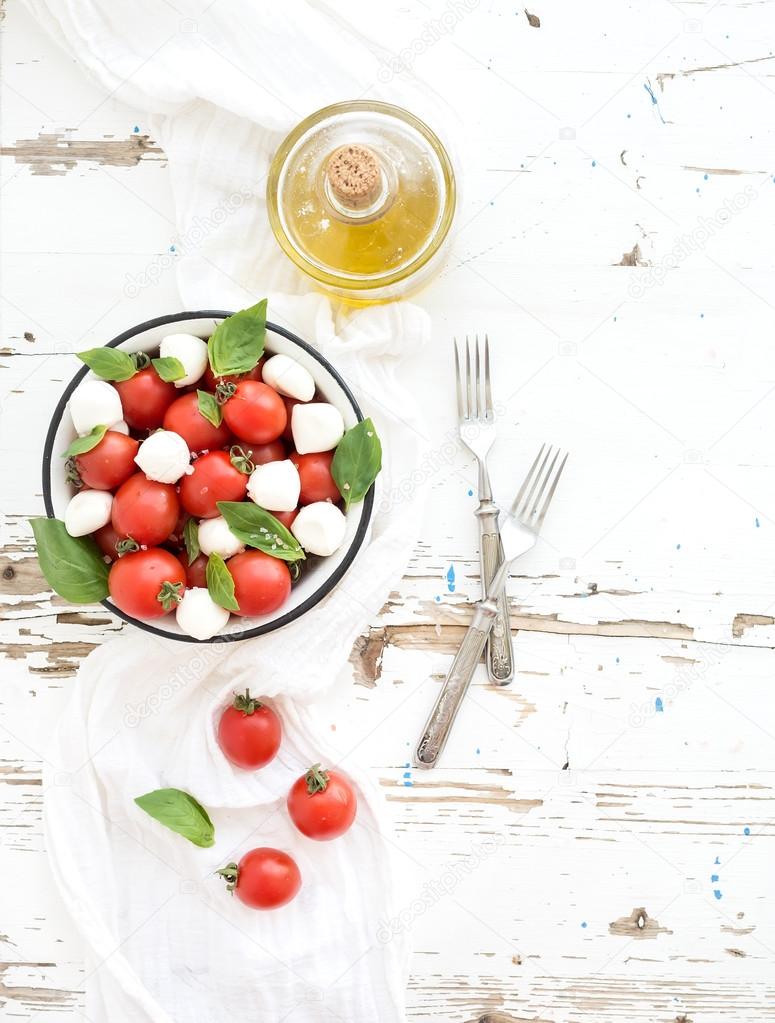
[321, 591]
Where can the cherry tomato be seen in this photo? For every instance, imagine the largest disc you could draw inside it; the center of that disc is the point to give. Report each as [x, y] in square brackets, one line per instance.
[255, 413]
[183, 417]
[106, 539]
[261, 583]
[289, 404]
[145, 510]
[145, 398]
[109, 463]
[317, 483]
[214, 479]
[322, 804]
[249, 732]
[264, 878]
[286, 517]
[147, 584]
[211, 381]
[274, 451]
[196, 572]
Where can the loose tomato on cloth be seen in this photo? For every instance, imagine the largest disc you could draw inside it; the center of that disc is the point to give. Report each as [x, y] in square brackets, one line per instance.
[183, 417]
[255, 412]
[215, 478]
[264, 878]
[145, 398]
[261, 583]
[322, 804]
[249, 732]
[145, 510]
[109, 463]
[317, 483]
[147, 584]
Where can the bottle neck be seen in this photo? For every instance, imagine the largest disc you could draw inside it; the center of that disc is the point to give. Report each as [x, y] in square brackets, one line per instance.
[359, 184]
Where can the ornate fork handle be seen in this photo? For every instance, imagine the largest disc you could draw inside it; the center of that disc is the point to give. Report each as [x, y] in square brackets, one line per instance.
[500, 655]
[439, 724]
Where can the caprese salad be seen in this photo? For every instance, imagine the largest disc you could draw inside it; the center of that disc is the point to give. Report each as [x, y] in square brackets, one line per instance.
[202, 477]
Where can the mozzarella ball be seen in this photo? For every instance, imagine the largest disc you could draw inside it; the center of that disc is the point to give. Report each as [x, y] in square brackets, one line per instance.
[198, 615]
[320, 528]
[164, 456]
[121, 427]
[275, 486]
[95, 403]
[215, 537]
[316, 427]
[88, 511]
[191, 351]
[289, 377]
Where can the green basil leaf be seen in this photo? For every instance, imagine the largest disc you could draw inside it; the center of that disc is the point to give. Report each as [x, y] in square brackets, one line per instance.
[73, 565]
[209, 407]
[191, 539]
[181, 813]
[257, 528]
[83, 444]
[357, 462]
[109, 363]
[169, 368]
[237, 343]
[220, 584]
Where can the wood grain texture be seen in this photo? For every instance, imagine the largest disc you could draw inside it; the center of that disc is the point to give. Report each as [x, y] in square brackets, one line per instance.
[598, 841]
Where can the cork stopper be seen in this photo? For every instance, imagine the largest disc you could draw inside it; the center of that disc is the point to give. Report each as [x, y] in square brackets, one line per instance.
[354, 176]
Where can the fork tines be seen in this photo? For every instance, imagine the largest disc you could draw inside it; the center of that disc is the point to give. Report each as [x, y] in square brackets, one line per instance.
[536, 493]
[474, 396]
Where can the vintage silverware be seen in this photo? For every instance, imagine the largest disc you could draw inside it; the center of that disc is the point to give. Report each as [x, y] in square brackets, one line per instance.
[476, 424]
[519, 532]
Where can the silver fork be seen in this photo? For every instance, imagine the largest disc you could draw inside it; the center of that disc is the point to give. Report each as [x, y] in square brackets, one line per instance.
[476, 419]
[519, 532]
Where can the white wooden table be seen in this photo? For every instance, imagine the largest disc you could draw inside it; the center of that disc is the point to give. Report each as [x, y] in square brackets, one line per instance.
[598, 844]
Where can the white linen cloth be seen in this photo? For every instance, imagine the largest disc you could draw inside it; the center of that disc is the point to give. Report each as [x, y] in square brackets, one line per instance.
[225, 81]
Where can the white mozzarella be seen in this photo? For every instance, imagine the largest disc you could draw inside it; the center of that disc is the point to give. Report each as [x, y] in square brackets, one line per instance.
[320, 528]
[164, 456]
[289, 377]
[198, 615]
[215, 537]
[317, 426]
[191, 351]
[275, 486]
[87, 511]
[95, 403]
[121, 427]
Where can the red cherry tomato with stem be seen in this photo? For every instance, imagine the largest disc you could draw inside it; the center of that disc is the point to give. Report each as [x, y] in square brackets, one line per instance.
[255, 412]
[211, 381]
[145, 398]
[145, 510]
[106, 539]
[322, 804]
[261, 583]
[147, 584]
[215, 478]
[264, 878]
[109, 463]
[249, 732]
[183, 417]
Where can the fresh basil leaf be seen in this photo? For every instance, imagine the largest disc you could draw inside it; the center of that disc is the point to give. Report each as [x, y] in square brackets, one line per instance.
[209, 407]
[169, 368]
[83, 444]
[257, 528]
[109, 363]
[191, 539]
[220, 584]
[357, 462]
[181, 813]
[73, 565]
[237, 343]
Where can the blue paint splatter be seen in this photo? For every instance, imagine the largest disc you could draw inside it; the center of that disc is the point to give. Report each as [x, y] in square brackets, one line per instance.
[756, 522]
[594, 163]
[746, 831]
[172, 248]
[629, 116]
[617, 660]
[658, 705]
[714, 877]
[136, 129]
[678, 546]
[717, 861]
[702, 316]
[583, 923]
[716, 893]
[478, 751]
[705, 176]
[470, 493]
[451, 579]
[438, 600]
[654, 100]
